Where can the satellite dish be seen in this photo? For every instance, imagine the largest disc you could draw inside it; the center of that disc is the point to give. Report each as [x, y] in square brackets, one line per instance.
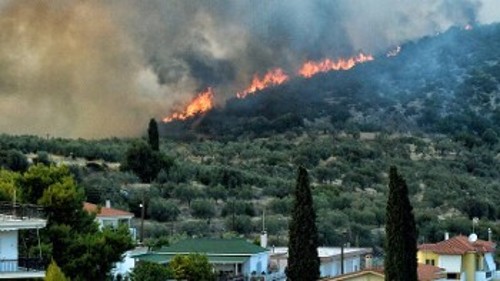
[473, 238]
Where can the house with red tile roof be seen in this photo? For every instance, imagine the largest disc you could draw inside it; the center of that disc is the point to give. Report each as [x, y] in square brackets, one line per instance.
[463, 258]
[107, 216]
[425, 273]
[428, 272]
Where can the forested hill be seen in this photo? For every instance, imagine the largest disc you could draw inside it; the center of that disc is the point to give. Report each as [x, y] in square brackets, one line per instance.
[447, 83]
[432, 111]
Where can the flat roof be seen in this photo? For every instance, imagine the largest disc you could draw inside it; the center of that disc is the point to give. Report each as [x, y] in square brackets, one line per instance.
[213, 259]
[325, 252]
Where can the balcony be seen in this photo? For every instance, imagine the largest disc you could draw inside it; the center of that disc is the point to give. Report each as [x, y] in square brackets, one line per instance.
[17, 216]
[22, 268]
[484, 275]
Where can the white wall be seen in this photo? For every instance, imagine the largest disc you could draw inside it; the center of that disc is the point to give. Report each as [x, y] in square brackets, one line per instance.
[450, 263]
[8, 245]
[490, 262]
[332, 268]
[125, 266]
[257, 262]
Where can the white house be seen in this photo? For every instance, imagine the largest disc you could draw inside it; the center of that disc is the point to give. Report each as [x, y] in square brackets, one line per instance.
[107, 216]
[330, 259]
[229, 257]
[13, 219]
[463, 258]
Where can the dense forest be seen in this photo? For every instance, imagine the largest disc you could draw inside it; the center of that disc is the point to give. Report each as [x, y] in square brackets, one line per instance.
[432, 111]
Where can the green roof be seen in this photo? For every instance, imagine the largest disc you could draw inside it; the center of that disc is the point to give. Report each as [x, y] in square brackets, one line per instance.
[214, 246]
[152, 257]
[215, 259]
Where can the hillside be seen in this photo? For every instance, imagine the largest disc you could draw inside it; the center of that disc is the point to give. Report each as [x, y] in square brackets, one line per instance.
[446, 84]
[432, 110]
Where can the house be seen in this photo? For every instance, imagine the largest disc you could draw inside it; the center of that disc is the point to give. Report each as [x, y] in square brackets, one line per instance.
[330, 259]
[363, 275]
[429, 272]
[463, 258]
[229, 257]
[14, 218]
[426, 272]
[107, 216]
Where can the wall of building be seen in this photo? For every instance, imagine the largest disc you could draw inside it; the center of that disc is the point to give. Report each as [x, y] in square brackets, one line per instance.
[489, 261]
[451, 263]
[422, 256]
[257, 262]
[332, 268]
[8, 245]
[469, 265]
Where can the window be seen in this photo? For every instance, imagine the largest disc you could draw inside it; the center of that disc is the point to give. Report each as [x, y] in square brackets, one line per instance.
[431, 262]
[453, 276]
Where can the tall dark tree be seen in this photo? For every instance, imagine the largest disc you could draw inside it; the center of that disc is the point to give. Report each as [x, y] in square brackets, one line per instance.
[303, 260]
[146, 163]
[401, 232]
[153, 136]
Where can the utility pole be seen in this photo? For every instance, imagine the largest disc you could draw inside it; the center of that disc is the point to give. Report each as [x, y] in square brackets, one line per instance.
[342, 258]
[233, 216]
[142, 205]
[342, 245]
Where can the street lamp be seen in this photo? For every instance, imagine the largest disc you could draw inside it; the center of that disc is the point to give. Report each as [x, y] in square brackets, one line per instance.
[342, 244]
[141, 240]
[475, 221]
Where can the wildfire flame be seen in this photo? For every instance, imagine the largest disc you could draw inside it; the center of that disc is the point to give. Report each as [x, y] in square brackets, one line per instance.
[311, 68]
[203, 102]
[273, 77]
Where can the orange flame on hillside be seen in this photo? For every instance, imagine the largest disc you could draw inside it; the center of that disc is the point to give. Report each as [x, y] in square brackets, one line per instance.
[311, 68]
[203, 102]
[273, 77]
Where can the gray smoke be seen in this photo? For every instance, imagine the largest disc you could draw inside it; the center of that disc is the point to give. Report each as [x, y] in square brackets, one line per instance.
[103, 68]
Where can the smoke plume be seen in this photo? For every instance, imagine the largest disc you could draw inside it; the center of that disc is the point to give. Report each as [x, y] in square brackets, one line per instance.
[103, 68]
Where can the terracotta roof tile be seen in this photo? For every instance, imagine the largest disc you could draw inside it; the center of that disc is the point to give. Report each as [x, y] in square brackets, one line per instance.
[427, 272]
[458, 245]
[105, 212]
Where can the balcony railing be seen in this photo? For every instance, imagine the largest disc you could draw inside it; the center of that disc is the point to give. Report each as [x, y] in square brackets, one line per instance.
[484, 275]
[21, 265]
[9, 211]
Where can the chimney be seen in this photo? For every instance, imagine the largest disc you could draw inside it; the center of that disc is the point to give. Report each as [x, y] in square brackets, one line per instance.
[368, 261]
[108, 204]
[263, 239]
[446, 235]
[490, 238]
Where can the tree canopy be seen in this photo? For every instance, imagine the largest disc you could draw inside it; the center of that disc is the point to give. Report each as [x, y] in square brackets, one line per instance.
[153, 136]
[192, 267]
[303, 260]
[72, 238]
[400, 262]
[150, 271]
[145, 162]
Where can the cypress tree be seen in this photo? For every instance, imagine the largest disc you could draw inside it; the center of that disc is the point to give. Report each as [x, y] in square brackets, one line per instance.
[303, 260]
[400, 262]
[153, 136]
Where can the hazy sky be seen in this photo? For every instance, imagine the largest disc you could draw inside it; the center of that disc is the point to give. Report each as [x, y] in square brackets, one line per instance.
[103, 68]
